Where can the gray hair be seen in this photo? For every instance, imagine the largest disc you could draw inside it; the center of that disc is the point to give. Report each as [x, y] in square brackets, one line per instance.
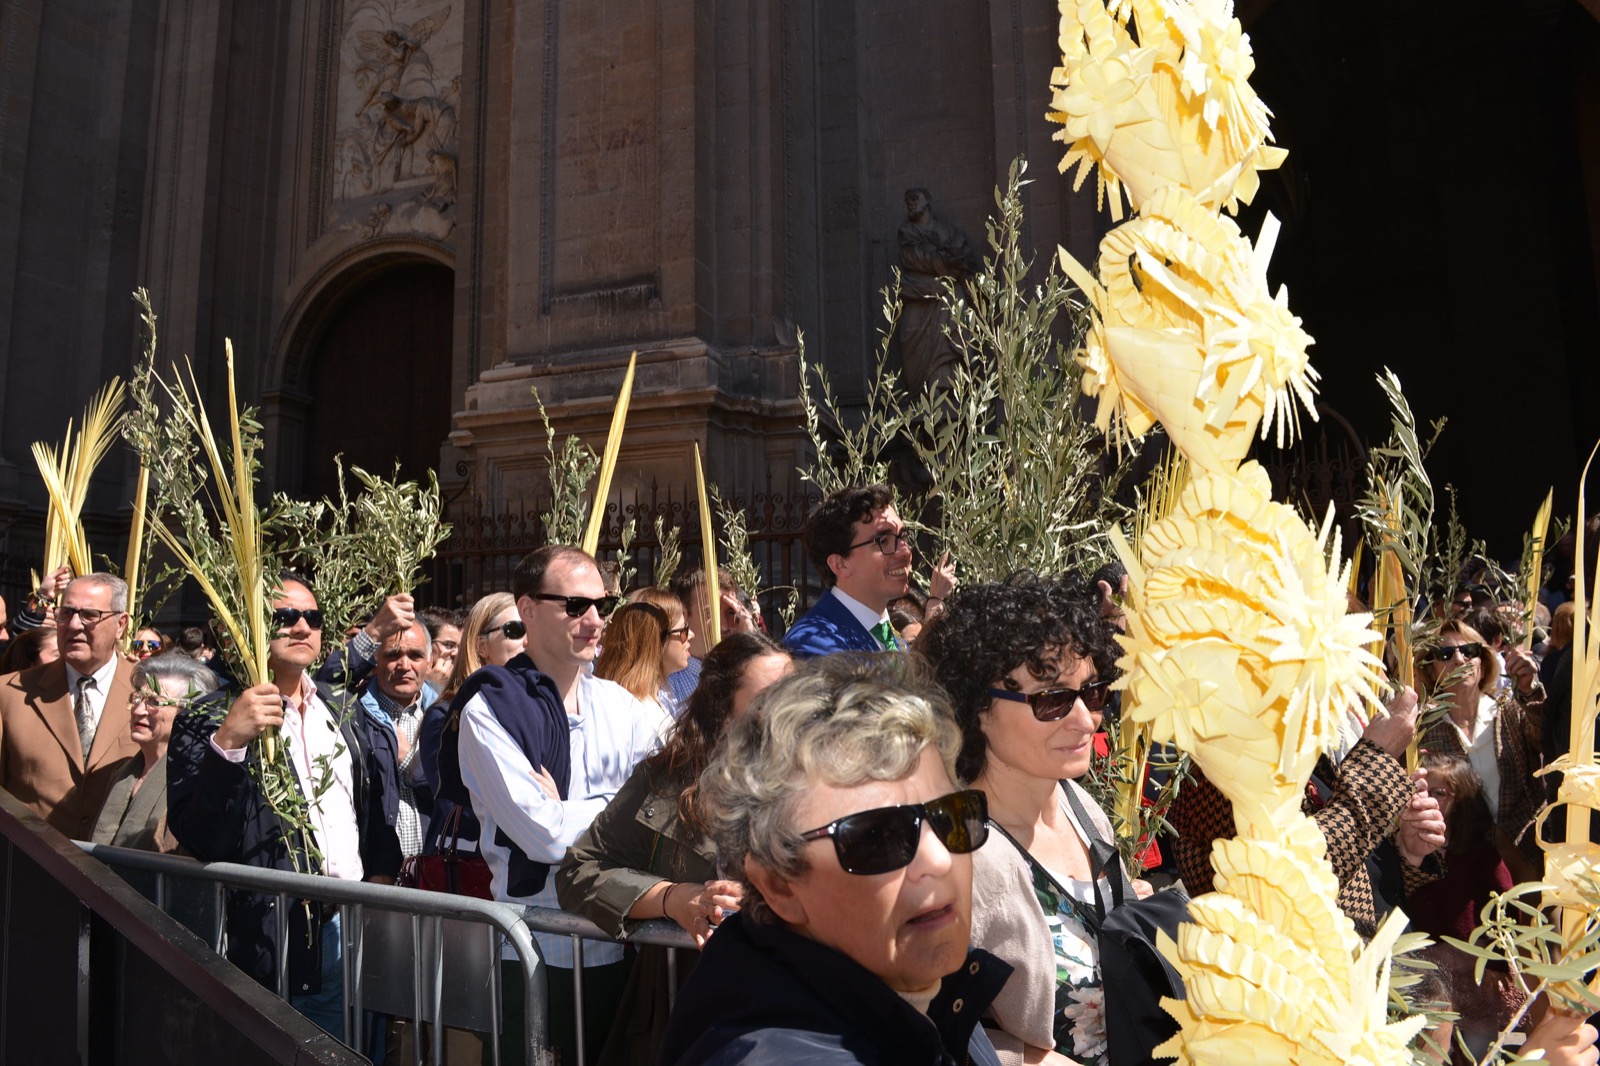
[175, 666]
[118, 587]
[840, 719]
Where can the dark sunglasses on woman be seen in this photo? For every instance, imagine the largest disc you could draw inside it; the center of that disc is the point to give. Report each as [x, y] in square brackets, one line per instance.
[886, 838]
[1054, 704]
[512, 630]
[147, 645]
[1447, 652]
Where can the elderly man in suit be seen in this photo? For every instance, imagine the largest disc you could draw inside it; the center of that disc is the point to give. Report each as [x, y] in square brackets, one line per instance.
[860, 548]
[64, 726]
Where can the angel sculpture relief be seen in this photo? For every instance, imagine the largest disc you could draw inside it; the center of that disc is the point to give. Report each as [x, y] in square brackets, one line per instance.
[386, 56]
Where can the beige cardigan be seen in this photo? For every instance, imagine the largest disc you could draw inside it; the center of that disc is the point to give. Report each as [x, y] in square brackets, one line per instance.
[1007, 922]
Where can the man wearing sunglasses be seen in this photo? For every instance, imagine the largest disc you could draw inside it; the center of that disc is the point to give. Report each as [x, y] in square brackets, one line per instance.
[64, 726]
[345, 764]
[838, 812]
[861, 552]
[543, 746]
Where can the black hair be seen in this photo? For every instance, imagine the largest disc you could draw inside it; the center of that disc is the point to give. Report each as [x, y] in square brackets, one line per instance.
[679, 763]
[292, 577]
[986, 631]
[831, 524]
[528, 577]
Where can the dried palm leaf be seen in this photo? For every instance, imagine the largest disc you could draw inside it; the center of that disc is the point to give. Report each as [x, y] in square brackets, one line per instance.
[67, 473]
[713, 623]
[608, 461]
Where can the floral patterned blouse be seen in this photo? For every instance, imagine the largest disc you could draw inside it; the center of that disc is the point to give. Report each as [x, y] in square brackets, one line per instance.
[1080, 1028]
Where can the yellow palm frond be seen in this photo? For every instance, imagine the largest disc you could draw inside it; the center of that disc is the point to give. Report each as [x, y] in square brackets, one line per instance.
[67, 473]
[608, 462]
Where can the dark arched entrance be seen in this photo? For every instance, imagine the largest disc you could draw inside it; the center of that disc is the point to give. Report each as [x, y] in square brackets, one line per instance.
[380, 377]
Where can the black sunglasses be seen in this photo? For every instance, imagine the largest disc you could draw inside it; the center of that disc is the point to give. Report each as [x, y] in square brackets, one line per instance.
[512, 630]
[147, 645]
[886, 838]
[1447, 652]
[578, 606]
[1054, 704]
[286, 617]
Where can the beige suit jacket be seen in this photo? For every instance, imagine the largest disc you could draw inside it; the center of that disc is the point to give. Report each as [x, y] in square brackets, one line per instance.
[41, 758]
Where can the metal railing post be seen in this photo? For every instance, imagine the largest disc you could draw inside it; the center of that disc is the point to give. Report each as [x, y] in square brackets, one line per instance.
[355, 914]
[496, 1018]
[436, 1033]
[416, 990]
[348, 974]
[280, 945]
[221, 901]
[672, 979]
[577, 995]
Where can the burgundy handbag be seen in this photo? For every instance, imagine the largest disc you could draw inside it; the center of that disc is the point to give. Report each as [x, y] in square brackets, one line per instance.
[449, 869]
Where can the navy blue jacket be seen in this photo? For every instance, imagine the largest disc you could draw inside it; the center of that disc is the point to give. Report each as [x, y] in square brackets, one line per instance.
[217, 813]
[429, 740]
[529, 707]
[826, 628]
[764, 994]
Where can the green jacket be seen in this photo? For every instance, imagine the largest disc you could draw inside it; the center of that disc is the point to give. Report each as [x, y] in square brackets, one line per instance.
[637, 842]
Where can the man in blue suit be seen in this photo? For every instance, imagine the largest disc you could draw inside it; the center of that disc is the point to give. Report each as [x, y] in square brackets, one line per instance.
[859, 546]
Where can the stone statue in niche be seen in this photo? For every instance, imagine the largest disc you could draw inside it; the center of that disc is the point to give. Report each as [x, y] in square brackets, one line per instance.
[929, 250]
[396, 147]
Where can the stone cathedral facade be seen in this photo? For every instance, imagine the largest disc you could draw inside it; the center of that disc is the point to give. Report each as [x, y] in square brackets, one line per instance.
[408, 214]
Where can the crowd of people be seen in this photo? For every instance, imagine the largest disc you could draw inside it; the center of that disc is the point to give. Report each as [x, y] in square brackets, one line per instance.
[873, 828]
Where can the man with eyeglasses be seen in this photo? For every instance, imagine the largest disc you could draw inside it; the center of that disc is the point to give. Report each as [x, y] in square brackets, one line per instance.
[64, 726]
[859, 546]
[543, 746]
[345, 764]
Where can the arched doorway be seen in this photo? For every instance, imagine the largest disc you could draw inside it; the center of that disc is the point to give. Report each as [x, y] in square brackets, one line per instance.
[379, 377]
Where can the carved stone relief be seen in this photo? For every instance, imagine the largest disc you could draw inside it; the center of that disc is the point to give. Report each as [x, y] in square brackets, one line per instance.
[395, 145]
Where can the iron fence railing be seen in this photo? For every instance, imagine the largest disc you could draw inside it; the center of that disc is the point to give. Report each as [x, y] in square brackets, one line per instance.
[488, 539]
[427, 956]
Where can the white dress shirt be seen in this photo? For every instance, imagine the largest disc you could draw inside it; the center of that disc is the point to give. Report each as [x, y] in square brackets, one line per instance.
[608, 739]
[311, 735]
[860, 611]
[1480, 750]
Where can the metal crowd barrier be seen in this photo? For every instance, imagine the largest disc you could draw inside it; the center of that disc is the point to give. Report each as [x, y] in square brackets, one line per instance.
[427, 956]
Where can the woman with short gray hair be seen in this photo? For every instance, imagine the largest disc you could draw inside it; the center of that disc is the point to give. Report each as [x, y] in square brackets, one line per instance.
[836, 806]
[135, 814]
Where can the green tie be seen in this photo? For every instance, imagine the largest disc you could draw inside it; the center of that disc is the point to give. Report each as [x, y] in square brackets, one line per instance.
[885, 634]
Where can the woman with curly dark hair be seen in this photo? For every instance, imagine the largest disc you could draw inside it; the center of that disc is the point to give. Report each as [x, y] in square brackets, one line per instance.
[1028, 664]
[648, 855]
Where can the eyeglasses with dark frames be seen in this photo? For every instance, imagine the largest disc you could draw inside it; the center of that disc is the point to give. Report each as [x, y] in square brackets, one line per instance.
[886, 838]
[889, 543]
[682, 633]
[89, 615]
[1054, 704]
[289, 617]
[578, 606]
